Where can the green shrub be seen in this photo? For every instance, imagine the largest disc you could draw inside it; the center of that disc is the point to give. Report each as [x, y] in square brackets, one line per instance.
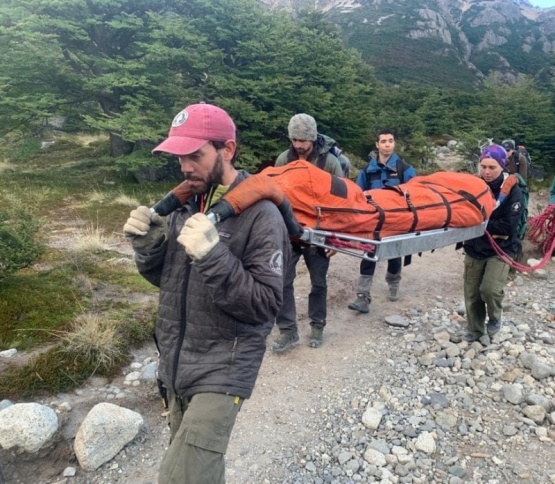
[19, 247]
[24, 149]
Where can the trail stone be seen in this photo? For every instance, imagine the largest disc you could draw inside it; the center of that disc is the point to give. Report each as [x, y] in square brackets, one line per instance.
[509, 430]
[8, 353]
[446, 420]
[435, 398]
[527, 359]
[344, 457]
[541, 370]
[397, 321]
[535, 412]
[513, 393]
[27, 426]
[5, 404]
[107, 428]
[535, 399]
[375, 457]
[372, 418]
[426, 443]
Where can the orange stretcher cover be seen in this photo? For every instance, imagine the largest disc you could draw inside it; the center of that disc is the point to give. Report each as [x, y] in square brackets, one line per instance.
[325, 202]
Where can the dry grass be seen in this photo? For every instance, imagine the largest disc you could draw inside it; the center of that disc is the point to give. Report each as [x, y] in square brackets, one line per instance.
[4, 166]
[82, 283]
[92, 241]
[127, 201]
[96, 338]
[96, 197]
[87, 139]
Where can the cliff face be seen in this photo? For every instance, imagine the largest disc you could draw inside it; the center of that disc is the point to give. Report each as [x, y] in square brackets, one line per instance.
[443, 42]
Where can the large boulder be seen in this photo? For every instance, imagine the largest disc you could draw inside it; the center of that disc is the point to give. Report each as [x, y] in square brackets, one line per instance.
[27, 426]
[107, 428]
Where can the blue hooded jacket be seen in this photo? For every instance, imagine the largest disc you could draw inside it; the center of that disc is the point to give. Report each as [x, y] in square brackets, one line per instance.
[376, 175]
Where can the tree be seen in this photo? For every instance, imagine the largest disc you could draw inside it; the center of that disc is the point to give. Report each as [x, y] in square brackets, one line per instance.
[125, 67]
[92, 58]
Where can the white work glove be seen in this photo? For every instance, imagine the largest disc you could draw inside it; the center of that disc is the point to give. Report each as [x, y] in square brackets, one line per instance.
[145, 229]
[198, 236]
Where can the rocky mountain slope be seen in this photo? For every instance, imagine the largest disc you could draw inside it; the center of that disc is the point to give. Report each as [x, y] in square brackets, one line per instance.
[443, 42]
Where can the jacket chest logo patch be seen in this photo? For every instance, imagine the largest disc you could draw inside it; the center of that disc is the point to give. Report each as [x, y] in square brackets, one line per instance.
[223, 234]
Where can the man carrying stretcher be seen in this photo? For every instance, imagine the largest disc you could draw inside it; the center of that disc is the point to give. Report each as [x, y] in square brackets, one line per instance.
[385, 169]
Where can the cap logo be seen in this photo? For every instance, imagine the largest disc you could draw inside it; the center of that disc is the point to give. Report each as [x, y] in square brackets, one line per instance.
[180, 118]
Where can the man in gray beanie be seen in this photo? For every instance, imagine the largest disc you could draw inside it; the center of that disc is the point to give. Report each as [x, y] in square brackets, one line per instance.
[306, 144]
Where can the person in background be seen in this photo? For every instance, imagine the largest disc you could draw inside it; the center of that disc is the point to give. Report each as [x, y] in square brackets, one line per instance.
[385, 169]
[306, 144]
[516, 162]
[220, 290]
[485, 274]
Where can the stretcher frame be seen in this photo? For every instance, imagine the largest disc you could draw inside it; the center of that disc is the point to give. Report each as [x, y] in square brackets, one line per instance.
[394, 246]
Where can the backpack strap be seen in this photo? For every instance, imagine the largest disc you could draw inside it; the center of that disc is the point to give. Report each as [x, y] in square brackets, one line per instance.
[321, 161]
[400, 167]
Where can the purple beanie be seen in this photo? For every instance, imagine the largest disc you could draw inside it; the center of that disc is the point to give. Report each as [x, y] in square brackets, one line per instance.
[497, 152]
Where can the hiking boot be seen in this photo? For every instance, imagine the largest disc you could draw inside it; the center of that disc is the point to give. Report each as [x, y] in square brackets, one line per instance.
[493, 327]
[393, 281]
[393, 293]
[361, 303]
[316, 337]
[470, 338]
[285, 340]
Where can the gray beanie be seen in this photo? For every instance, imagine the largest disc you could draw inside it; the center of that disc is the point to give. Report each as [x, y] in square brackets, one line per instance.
[508, 144]
[303, 127]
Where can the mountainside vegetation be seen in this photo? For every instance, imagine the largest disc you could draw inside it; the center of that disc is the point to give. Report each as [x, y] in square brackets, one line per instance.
[124, 68]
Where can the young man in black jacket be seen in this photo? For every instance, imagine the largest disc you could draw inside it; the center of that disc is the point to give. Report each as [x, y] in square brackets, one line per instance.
[220, 290]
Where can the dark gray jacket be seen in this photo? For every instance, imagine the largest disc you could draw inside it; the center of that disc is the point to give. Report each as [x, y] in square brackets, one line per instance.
[214, 314]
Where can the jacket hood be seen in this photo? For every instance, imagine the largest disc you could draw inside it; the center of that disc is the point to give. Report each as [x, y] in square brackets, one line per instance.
[324, 143]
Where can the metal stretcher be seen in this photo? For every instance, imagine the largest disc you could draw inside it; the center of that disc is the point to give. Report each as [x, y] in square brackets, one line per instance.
[391, 247]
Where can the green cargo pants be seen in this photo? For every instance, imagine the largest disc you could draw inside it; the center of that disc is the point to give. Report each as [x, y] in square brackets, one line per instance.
[199, 434]
[484, 281]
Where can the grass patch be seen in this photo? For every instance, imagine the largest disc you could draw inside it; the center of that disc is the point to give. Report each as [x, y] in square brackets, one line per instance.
[83, 298]
[95, 344]
[51, 372]
[95, 338]
[92, 241]
[32, 304]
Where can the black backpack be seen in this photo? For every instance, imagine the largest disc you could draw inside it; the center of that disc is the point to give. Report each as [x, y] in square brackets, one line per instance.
[521, 227]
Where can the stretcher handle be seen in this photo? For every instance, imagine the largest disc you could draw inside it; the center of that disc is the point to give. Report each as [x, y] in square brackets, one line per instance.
[223, 210]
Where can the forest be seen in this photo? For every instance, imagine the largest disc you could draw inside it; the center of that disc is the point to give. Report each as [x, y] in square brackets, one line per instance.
[125, 67]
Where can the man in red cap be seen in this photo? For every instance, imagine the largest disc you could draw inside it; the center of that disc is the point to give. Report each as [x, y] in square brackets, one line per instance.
[220, 290]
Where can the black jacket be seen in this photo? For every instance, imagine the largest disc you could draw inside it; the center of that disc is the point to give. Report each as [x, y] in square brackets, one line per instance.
[502, 224]
[214, 314]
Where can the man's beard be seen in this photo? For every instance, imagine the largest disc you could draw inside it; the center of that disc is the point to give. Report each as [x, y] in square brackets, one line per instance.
[214, 178]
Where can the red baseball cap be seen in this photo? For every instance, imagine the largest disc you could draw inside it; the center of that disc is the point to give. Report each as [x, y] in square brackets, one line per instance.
[193, 127]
